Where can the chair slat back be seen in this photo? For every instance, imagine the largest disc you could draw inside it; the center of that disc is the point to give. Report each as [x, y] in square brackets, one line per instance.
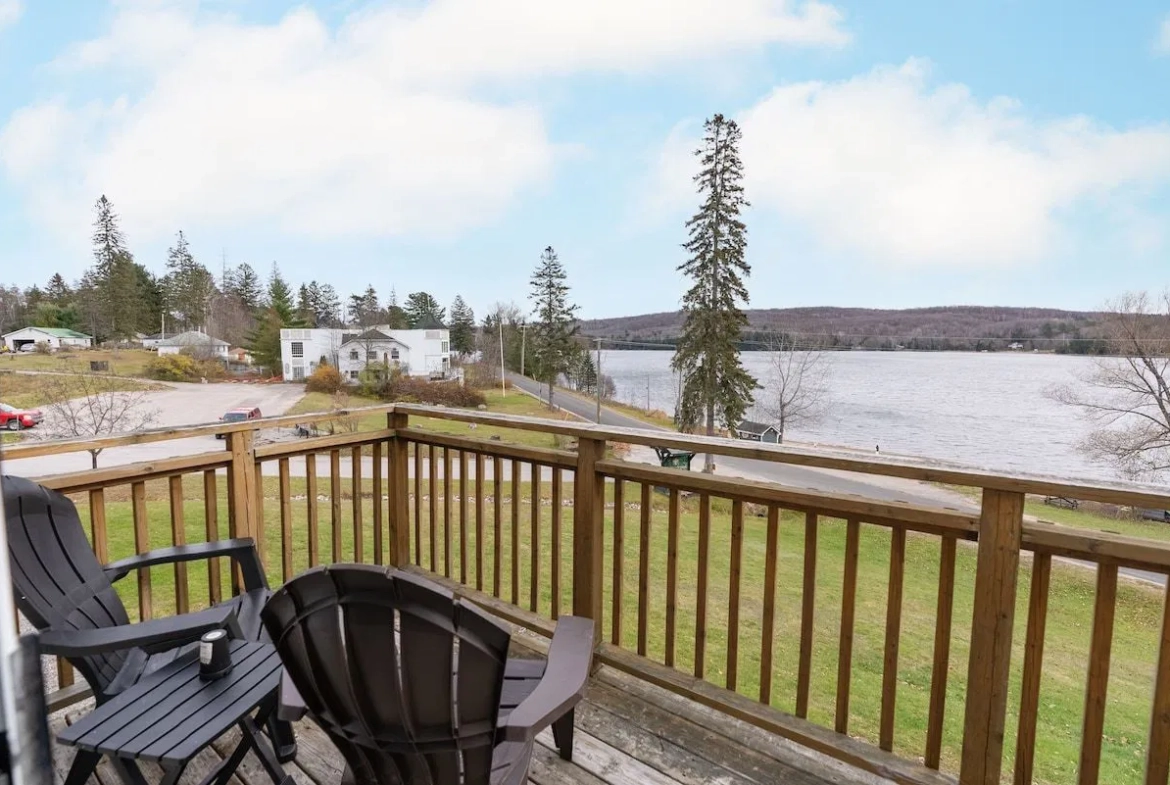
[59, 582]
[404, 677]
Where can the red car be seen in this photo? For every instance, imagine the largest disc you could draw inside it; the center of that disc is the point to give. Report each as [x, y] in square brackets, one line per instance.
[15, 419]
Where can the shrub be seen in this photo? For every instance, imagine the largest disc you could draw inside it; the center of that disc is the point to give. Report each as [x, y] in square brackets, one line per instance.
[481, 376]
[173, 368]
[326, 379]
[412, 389]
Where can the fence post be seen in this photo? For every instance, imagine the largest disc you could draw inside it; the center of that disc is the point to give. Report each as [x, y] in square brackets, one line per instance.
[588, 532]
[1000, 532]
[398, 484]
[242, 490]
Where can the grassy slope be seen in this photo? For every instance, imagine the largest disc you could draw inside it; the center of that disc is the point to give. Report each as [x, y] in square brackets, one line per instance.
[1070, 609]
[123, 362]
[27, 391]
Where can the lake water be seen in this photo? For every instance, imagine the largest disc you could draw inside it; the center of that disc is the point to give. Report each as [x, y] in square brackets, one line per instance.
[985, 410]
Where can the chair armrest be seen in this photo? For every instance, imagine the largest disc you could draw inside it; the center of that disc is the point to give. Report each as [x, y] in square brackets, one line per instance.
[570, 656]
[156, 634]
[242, 551]
[290, 706]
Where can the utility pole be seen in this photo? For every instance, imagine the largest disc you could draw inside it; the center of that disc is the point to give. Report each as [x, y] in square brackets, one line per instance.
[597, 381]
[503, 386]
[523, 344]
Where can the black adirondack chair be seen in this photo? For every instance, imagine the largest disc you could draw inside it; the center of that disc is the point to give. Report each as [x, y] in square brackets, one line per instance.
[414, 686]
[64, 590]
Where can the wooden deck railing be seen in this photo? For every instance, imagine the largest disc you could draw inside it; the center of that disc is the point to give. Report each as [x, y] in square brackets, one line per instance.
[748, 596]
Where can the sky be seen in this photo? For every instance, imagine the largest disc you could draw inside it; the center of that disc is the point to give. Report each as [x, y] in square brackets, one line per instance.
[901, 153]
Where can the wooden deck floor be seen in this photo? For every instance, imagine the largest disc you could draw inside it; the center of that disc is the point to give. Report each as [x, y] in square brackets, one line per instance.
[628, 733]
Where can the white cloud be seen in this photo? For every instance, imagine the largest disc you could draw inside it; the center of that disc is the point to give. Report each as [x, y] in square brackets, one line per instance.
[914, 175]
[371, 129]
[10, 12]
[1162, 43]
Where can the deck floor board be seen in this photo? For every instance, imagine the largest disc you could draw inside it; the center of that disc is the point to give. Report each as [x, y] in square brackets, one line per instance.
[627, 733]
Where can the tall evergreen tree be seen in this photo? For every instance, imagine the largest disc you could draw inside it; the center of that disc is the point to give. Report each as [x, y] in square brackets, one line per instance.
[58, 292]
[556, 322]
[189, 286]
[423, 311]
[305, 310]
[280, 295]
[264, 340]
[462, 327]
[396, 315]
[364, 309]
[328, 305]
[246, 285]
[115, 295]
[716, 387]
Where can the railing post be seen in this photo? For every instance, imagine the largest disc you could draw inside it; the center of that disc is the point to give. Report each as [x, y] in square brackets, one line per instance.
[242, 487]
[1000, 532]
[588, 532]
[398, 484]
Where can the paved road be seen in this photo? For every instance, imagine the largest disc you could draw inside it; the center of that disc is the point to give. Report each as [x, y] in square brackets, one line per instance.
[182, 404]
[822, 480]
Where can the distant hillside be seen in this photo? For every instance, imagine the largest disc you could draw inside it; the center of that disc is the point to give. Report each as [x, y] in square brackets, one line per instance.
[946, 328]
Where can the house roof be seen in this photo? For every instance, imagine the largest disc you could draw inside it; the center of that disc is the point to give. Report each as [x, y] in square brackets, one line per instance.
[192, 339]
[429, 322]
[751, 426]
[372, 336]
[56, 332]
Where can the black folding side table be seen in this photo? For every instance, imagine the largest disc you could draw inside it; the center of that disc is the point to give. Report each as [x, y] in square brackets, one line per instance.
[171, 715]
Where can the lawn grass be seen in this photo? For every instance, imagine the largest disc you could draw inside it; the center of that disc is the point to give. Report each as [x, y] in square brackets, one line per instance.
[1067, 642]
[515, 403]
[123, 362]
[26, 391]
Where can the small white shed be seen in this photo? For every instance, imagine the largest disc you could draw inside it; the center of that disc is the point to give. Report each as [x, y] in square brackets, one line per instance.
[56, 337]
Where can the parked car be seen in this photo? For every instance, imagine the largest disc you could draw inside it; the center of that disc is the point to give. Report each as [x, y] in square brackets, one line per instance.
[16, 419]
[240, 415]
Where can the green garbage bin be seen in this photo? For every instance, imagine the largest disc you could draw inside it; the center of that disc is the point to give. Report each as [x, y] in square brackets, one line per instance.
[674, 459]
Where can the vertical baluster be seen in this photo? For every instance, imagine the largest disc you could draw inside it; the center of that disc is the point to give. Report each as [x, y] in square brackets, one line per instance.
[733, 593]
[534, 576]
[555, 578]
[848, 604]
[479, 470]
[379, 544]
[671, 575]
[447, 511]
[179, 537]
[808, 601]
[769, 621]
[312, 511]
[64, 672]
[258, 534]
[418, 473]
[498, 523]
[942, 652]
[335, 506]
[286, 538]
[433, 506]
[1033, 662]
[97, 525]
[141, 545]
[619, 552]
[398, 482]
[893, 631]
[1097, 686]
[1158, 749]
[463, 517]
[701, 584]
[644, 569]
[211, 528]
[515, 532]
[359, 536]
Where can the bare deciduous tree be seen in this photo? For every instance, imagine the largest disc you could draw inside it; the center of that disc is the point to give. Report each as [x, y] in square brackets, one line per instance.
[796, 388]
[1127, 397]
[87, 408]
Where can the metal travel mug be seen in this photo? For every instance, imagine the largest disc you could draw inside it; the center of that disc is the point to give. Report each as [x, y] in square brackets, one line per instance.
[215, 658]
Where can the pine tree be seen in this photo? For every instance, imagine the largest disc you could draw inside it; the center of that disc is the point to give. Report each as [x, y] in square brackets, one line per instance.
[364, 310]
[396, 315]
[280, 296]
[462, 327]
[552, 334]
[115, 298]
[264, 339]
[305, 310]
[189, 286]
[246, 285]
[423, 311]
[328, 305]
[58, 292]
[716, 387]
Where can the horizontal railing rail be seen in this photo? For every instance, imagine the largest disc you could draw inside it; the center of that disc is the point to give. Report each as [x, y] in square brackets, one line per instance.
[881, 632]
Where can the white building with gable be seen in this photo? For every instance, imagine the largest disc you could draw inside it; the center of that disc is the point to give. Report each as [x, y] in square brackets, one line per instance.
[351, 350]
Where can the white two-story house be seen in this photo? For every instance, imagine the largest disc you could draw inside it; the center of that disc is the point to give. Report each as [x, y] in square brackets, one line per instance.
[417, 352]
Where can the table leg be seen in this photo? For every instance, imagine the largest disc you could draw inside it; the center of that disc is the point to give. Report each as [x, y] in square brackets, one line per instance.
[250, 728]
[82, 768]
[128, 771]
[172, 772]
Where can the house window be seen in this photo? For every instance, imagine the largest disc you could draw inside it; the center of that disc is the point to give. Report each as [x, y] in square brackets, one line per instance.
[393, 354]
[298, 373]
[446, 347]
[353, 355]
[372, 356]
[298, 349]
[353, 375]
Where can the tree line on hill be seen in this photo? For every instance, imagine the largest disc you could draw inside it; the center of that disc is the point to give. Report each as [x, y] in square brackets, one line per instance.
[117, 298]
